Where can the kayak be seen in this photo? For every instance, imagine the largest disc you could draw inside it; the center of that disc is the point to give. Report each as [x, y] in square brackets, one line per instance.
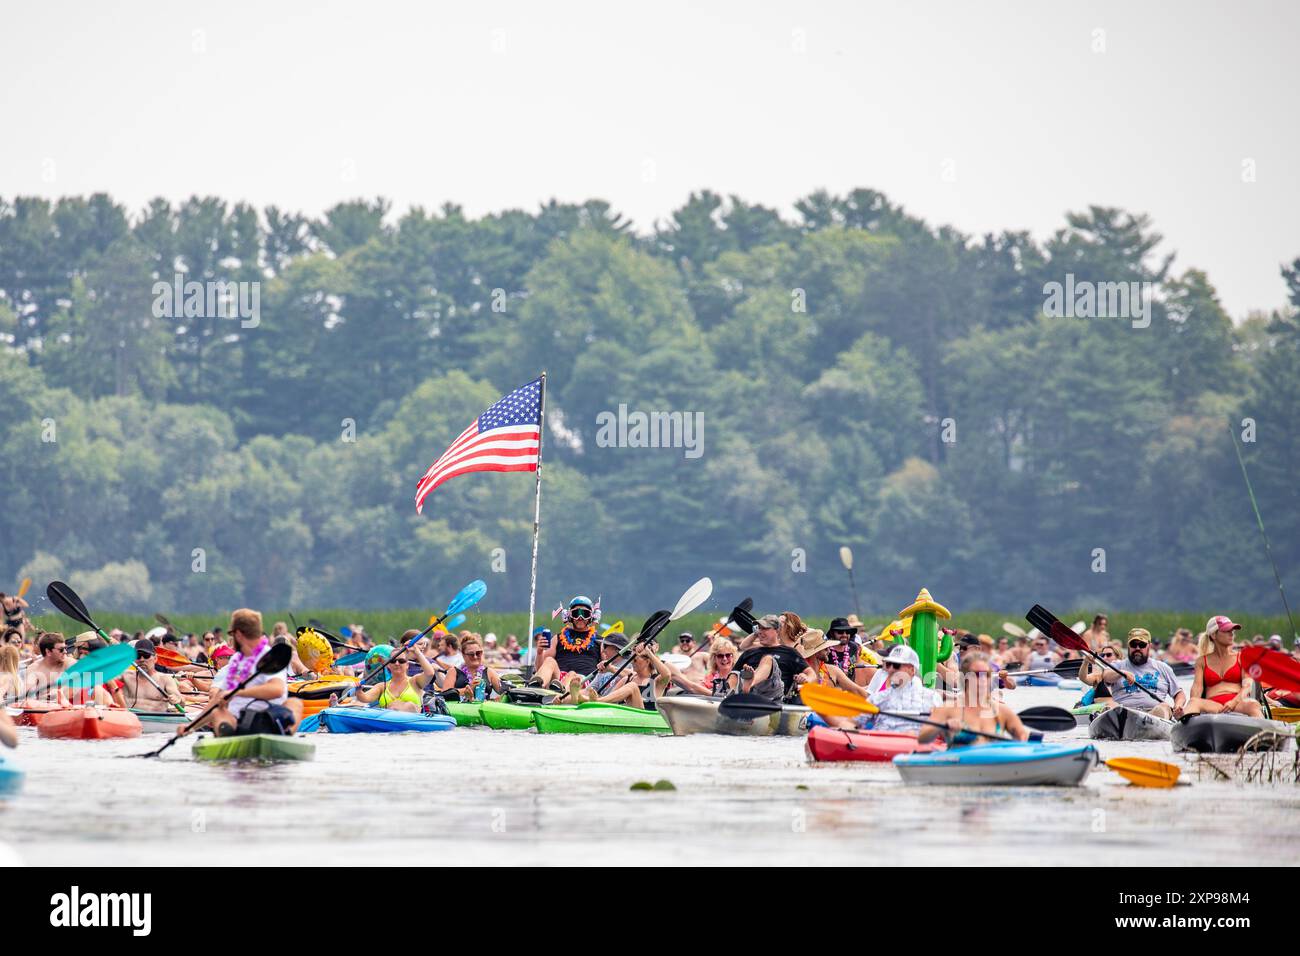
[467, 714]
[1227, 733]
[88, 723]
[597, 718]
[827, 744]
[315, 694]
[11, 776]
[1128, 723]
[1083, 714]
[1001, 763]
[500, 715]
[264, 747]
[1288, 715]
[701, 715]
[1037, 680]
[162, 722]
[30, 713]
[373, 720]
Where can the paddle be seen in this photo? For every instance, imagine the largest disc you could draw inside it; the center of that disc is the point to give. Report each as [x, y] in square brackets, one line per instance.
[748, 707]
[23, 586]
[1015, 630]
[91, 671]
[830, 702]
[846, 559]
[1271, 667]
[741, 610]
[349, 660]
[691, 598]
[273, 661]
[169, 658]
[1054, 720]
[1043, 619]
[1063, 669]
[164, 622]
[1143, 772]
[69, 604]
[465, 599]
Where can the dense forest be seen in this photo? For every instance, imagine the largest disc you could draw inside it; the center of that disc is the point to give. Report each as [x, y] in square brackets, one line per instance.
[862, 378]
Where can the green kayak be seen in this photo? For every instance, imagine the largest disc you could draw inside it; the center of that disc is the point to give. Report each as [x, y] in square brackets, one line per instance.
[596, 718]
[500, 715]
[263, 747]
[466, 714]
[1083, 714]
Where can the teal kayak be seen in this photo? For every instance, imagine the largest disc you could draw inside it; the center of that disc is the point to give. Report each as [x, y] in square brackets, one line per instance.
[1000, 763]
[597, 718]
[11, 776]
[374, 720]
[161, 722]
[263, 747]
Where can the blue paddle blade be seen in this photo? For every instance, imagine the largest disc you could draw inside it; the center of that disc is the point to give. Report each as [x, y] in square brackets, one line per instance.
[469, 595]
[345, 631]
[455, 622]
[97, 667]
[347, 660]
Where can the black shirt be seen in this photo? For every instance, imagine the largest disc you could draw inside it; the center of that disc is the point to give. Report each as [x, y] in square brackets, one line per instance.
[789, 660]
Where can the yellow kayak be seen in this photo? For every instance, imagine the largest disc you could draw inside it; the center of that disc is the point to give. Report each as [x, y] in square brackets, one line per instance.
[315, 694]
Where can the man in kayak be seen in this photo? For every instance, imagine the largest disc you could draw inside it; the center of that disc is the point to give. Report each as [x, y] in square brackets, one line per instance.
[259, 708]
[574, 651]
[901, 692]
[1141, 671]
[139, 693]
[42, 673]
[769, 666]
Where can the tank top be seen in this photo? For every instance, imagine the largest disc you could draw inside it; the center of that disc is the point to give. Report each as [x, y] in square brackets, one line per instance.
[575, 654]
[411, 695]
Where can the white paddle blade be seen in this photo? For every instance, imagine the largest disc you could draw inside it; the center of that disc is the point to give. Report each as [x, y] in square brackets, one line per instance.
[846, 558]
[695, 595]
[1014, 630]
[1078, 627]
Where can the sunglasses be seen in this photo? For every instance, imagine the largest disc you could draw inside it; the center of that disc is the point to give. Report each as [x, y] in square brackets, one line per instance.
[473, 654]
[723, 657]
[1138, 644]
[893, 665]
[1107, 655]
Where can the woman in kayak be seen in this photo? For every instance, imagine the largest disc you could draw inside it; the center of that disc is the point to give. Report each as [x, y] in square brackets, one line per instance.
[400, 691]
[11, 682]
[1092, 673]
[976, 711]
[640, 686]
[721, 679]
[815, 648]
[1219, 684]
[475, 679]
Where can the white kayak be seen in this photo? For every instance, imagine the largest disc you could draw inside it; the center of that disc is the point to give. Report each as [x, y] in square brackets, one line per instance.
[701, 715]
[1128, 723]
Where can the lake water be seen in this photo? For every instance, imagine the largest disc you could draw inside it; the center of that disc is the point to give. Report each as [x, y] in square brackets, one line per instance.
[509, 797]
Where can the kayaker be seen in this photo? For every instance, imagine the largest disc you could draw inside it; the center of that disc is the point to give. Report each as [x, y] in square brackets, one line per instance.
[449, 654]
[41, 674]
[1156, 676]
[640, 685]
[815, 648]
[976, 709]
[1041, 655]
[902, 692]
[11, 681]
[138, 693]
[685, 644]
[1098, 633]
[1091, 674]
[720, 678]
[1219, 685]
[845, 652]
[15, 612]
[259, 707]
[475, 679]
[399, 690]
[574, 650]
[768, 668]
[612, 646]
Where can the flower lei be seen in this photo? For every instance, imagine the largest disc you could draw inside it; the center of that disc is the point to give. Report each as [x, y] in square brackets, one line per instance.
[576, 647]
[241, 665]
[841, 658]
[480, 692]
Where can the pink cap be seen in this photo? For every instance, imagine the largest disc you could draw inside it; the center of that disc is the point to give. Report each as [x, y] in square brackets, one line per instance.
[1220, 623]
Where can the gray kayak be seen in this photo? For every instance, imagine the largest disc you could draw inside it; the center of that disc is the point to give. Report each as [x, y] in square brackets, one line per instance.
[1128, 723]
[161, 722]
[700, 715]
[1228, 733]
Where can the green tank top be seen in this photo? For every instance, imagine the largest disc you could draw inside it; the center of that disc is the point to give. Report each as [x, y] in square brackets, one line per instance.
[411, 695]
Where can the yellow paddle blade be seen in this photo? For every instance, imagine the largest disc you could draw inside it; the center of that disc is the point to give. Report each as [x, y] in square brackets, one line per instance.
[615, 628]
[22, 588]
[831, 702]
[1145, 773]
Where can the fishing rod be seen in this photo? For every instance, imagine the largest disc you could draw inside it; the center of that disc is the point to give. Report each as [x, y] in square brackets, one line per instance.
[1268, 550]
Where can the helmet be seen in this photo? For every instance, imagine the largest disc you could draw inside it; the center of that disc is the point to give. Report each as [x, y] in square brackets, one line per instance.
[581, 601]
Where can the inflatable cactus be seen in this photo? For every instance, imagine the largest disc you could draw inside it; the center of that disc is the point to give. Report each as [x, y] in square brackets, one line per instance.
[921, 631]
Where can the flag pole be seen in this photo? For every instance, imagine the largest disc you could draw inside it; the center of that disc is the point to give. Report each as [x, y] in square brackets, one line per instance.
[537, 524]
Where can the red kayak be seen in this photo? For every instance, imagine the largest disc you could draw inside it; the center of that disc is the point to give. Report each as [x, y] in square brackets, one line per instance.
[826, 743]
[30, 712]
[88, 723]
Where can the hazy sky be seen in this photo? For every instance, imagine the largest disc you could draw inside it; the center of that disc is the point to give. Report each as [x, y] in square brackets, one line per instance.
[985, 115]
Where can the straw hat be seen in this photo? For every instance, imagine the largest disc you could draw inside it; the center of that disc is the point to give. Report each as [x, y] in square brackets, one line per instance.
[812, 641]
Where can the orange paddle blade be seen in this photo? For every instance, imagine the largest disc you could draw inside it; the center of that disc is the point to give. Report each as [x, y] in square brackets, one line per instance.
[169, 658]
[22, 588]
[1145, 773]
[832, 702]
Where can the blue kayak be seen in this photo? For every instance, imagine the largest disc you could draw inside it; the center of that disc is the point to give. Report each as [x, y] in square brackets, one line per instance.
[1000, 763]
[11, 777]
[373, 720]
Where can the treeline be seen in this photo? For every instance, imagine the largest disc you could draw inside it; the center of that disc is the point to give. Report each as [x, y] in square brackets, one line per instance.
[862, 378]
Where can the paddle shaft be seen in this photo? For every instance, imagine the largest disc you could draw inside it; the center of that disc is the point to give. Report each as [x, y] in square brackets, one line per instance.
[180, 708]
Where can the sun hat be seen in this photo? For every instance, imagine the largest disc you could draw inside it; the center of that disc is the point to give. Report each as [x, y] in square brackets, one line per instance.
[812, 641]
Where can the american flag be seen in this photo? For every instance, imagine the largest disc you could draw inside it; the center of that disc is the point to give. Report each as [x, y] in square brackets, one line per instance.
[507, 437]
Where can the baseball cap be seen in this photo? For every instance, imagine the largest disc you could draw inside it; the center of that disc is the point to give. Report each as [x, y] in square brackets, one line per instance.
[769, 620]
[1141, 634]
[902, 654]
[1220, 623]
[615, 640]
[144, 648]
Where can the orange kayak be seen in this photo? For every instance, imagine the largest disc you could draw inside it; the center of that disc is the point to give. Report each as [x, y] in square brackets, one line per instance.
[88, 723]
[30, 712]
[315, 694]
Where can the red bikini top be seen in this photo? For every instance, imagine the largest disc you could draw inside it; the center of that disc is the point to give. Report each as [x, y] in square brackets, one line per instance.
[1231, 676]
